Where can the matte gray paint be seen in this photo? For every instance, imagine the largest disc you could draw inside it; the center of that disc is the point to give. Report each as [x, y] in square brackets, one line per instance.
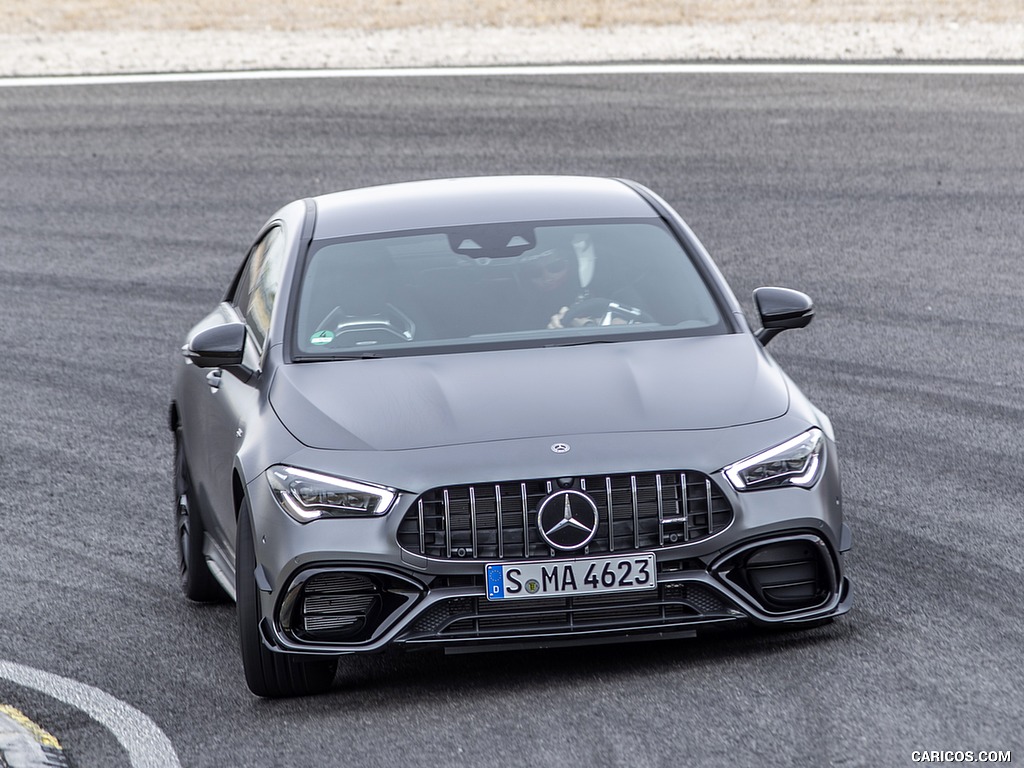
[419, 402]
[457, 202]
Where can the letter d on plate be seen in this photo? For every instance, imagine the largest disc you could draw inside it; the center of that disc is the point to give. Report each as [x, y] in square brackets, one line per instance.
[495, 583]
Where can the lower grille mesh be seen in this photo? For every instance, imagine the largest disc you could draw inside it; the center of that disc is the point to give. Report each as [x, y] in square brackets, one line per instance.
[476, 617]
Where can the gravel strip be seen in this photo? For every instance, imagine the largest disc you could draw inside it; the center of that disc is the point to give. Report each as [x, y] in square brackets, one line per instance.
[72, 53]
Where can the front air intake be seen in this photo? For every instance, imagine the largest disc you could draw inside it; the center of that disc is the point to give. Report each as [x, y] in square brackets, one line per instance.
[337, 606]
[334, 605]
[783, 576]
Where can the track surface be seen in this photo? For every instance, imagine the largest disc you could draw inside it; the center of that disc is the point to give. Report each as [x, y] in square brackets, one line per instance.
[897, 202]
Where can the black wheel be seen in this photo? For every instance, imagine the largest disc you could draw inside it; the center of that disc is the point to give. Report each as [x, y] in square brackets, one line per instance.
[269, 673]
[196, 580]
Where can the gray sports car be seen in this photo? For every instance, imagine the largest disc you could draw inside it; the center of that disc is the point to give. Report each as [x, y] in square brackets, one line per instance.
[495, 413]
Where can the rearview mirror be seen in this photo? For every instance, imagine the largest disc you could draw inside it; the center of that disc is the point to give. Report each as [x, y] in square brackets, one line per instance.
[219, 346]
[781, 309]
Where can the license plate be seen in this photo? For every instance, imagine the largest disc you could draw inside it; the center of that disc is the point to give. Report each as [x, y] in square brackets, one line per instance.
[585, 576]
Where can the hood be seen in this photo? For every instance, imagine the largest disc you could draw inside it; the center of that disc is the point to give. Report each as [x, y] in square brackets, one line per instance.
[448, 399]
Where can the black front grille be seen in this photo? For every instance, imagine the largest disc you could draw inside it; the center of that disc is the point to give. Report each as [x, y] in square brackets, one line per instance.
[466, 618]
[499, 521]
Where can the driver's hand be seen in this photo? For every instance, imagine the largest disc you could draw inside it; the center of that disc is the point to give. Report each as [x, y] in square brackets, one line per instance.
[556, 319]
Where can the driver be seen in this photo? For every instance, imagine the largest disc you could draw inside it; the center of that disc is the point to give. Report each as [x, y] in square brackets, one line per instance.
[549, 280]
[586, 260]
[554, 280]
[559, 279]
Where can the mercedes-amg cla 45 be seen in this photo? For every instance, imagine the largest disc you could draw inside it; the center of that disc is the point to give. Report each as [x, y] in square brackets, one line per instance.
[495, 412]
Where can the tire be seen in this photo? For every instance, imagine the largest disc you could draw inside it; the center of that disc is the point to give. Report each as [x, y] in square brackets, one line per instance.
[268, 673]
[197, 582]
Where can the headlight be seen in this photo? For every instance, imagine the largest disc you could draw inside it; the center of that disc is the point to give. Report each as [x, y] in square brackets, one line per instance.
[797, 462]
[308, 496]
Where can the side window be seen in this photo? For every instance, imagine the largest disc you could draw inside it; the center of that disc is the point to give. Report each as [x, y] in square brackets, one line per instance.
[241, 296]
[257, 287]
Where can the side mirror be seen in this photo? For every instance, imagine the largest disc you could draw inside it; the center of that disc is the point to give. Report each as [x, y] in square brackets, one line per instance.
[781, 309]
[219, 346]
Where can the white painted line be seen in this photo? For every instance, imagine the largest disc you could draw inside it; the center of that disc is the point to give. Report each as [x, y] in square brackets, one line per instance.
[147, 746]
[524, 71]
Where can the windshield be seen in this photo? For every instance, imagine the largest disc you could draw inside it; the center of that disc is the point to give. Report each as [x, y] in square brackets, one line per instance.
[489, 286]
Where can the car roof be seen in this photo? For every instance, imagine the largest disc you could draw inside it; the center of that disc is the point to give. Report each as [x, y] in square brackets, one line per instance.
[474, 200]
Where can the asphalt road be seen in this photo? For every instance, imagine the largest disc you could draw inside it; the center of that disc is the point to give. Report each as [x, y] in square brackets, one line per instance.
[896, 201]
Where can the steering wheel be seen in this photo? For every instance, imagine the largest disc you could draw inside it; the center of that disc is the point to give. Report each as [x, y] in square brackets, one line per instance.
[389, 326]
[602, 311]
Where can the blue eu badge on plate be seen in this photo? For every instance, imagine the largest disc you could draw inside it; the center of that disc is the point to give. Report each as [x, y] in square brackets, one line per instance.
[495, 582]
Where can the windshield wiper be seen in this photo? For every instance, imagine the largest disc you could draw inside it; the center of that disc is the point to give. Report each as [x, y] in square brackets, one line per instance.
[581, 343]
[336, 358]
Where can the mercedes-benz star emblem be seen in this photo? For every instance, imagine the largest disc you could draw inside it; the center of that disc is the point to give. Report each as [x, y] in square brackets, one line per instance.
[567, 520]
[560, 447]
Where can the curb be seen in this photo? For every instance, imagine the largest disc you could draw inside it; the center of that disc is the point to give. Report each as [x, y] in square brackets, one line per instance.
[23, 744]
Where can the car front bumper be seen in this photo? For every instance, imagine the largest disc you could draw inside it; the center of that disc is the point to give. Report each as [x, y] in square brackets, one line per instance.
[337, 587]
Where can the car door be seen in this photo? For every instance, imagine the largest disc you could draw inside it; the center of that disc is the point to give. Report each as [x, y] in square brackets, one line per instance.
[233, 396]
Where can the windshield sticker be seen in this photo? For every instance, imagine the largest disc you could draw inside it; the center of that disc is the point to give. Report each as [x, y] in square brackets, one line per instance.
[322, 337]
